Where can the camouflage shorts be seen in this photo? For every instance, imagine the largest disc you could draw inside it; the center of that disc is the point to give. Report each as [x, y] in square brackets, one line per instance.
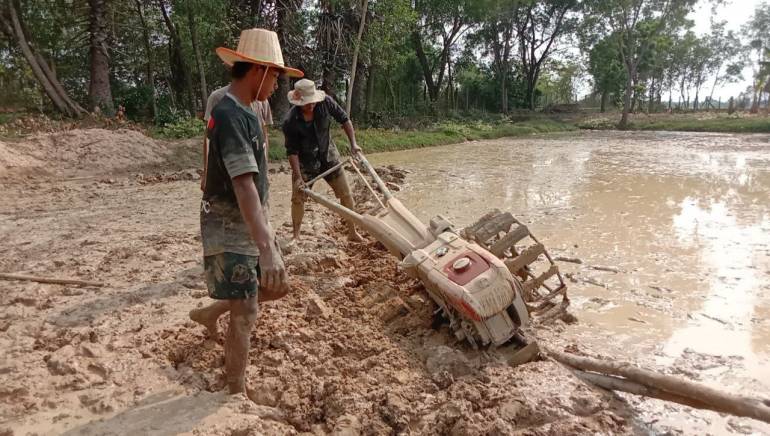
[231, 276]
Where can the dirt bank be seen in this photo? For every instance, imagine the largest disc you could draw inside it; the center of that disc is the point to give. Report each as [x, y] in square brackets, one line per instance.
[350, 351]
[79, 152]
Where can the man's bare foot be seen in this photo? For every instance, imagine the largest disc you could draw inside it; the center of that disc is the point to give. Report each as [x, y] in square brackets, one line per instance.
[200, 316]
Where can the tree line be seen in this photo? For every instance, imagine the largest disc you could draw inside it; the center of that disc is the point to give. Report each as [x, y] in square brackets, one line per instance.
[383, 59]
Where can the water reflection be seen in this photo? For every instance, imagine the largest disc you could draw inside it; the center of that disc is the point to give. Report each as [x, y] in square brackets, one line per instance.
[723, 325]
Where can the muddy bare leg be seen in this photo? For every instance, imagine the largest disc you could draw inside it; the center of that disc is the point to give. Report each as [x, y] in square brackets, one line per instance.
[243, 315]
[341, 188]
[208, 316]
[297, 210]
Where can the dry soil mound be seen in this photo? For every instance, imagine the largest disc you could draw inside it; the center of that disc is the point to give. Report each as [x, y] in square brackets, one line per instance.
[79, 151]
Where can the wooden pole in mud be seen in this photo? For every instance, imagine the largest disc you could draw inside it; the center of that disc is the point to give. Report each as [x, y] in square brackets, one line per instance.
[623, 376]
[52, 280]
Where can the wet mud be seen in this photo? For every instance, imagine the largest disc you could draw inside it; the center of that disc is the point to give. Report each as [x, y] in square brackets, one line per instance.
[664, 236]
[351, 350]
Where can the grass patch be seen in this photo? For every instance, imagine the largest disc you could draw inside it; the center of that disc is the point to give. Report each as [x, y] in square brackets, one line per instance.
[685, 123]
[723, 124]
[6, 118]
[182, 129]
[379, 140]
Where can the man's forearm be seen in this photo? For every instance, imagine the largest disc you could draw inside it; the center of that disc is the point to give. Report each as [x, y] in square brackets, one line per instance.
[294, 163]
[267, 142]
[205, 159]
[205, 150]
[347, 126]
[251, 210]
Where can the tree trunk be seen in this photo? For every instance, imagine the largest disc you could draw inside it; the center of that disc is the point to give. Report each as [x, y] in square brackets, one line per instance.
[181, 82]
[503, 93]
[696, 103]
[757, 89]
[626, 104]
[286, 12]
[149, 64]
[198, 58]
[328, 40]
[370, 82]
[358, 93]
[449, 87]
[281, 105]
[354, 62]
[13, 28]
[714, 86]
[51, 75]
[755, 102]
[328, 83]
[531, 83]
[651, 103]
[392, 93]
[99, 91]
[605, 96]
[47, 70]
[426, 70]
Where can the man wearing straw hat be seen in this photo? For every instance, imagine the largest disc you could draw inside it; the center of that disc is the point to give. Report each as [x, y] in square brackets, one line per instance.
[242, 262]
[261, 108]
[311, 149]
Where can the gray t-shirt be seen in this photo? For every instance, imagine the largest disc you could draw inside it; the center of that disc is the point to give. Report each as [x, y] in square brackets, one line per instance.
[261, 108]
[236, 147]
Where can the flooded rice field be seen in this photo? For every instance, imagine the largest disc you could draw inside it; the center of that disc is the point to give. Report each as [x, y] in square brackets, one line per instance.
[664, 241]
[665, 237]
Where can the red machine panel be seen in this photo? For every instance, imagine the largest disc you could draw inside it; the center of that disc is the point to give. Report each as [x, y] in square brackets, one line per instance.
[462, 272]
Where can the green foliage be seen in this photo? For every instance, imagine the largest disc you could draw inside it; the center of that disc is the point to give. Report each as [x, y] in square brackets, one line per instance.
[757, 32]
[724, 124]
[638, 27]
[134, 100]
[479, 89]
[183, 128]
[472, 52]
[558, 84]
[607, 69]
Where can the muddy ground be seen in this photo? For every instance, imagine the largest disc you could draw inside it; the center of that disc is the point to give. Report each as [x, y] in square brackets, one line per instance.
[350, 351]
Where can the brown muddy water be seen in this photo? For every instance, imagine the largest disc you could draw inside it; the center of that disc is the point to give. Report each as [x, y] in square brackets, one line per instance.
[682, 222]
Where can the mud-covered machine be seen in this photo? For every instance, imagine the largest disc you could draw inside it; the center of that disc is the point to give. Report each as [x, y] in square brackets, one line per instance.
[489, 280]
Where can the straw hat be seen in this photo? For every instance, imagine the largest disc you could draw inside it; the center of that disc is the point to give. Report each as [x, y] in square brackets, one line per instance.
[258, 46]
[305, 93]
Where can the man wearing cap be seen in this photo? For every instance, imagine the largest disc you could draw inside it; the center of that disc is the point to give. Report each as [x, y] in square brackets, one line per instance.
[242, 262]
[311, 149]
